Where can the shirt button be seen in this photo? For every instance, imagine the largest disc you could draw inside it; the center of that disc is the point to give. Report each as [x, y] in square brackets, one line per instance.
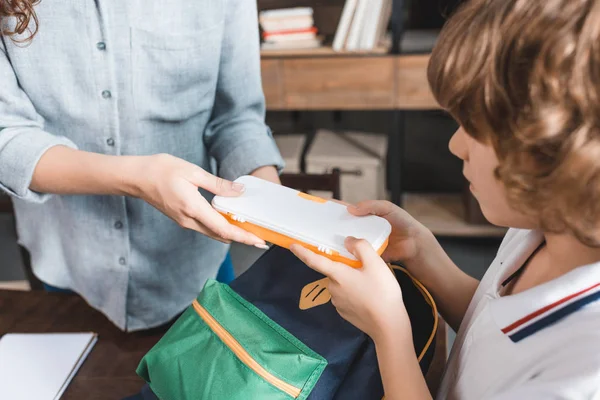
[101, 46]
[122, 261]
[107, 94]
[110, 142]
[118, 225]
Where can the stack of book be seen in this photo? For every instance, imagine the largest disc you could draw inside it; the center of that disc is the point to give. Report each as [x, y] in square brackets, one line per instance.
[363, 25]
[291, 28]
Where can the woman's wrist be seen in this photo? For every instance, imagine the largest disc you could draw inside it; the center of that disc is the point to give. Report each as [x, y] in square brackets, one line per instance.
[133, 176]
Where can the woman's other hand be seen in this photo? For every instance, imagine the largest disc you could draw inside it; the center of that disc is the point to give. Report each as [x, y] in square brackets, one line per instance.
[171, 184]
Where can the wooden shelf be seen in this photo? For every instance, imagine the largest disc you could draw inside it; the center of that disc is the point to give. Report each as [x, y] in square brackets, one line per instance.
[443, 214]
[351, 82]
[324, 51]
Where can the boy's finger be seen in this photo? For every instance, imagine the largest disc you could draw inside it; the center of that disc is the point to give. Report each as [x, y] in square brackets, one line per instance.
[371, 207]
[319, 263]
[362, 250]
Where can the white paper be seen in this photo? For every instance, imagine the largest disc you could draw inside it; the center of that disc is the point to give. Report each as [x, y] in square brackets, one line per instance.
[40, 366]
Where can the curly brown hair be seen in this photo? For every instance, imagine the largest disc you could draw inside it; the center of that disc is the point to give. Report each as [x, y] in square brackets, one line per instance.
[23, 13]
[524, 76]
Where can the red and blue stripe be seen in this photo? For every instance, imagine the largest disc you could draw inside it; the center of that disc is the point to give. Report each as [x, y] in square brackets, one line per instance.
[551, 313]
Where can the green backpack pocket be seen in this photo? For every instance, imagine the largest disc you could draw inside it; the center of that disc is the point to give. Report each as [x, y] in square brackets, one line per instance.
[223, 347]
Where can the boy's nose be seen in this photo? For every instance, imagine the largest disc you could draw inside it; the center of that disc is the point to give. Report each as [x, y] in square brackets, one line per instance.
[458, 145]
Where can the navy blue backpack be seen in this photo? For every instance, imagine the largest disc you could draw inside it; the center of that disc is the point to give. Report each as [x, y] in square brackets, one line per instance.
[294, 297]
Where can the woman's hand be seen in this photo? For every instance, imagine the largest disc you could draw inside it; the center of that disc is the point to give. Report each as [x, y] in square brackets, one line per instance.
[368, 297]
[408, 235]
[171, 184]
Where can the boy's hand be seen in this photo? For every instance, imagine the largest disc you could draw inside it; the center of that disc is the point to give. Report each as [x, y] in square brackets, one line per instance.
[369, 297]
[407, 238]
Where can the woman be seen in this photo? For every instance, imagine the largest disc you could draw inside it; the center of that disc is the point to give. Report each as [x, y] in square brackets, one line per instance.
[111, 114]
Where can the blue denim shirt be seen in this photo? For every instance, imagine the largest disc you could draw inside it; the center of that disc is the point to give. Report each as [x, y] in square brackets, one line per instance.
[130, 77]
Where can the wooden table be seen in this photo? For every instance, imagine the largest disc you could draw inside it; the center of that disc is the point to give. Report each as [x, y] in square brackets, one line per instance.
[109, 371]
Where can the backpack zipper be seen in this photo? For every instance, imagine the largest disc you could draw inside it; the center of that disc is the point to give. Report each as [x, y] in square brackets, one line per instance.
[242, 354]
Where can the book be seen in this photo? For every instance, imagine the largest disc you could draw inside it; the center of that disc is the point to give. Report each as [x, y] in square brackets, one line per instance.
[357, 25]
[287, 12]
[386, 15]
[41, 366]
[341, 33]
[371, 22]
[290, 45]
[288, 36]
[283, 24]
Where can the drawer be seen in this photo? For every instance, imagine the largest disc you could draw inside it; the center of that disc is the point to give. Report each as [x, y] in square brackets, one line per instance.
[271, 81]
[339, 83]
[412, 86]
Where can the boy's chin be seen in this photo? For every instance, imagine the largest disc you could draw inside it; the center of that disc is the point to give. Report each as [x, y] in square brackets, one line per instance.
[508, 219]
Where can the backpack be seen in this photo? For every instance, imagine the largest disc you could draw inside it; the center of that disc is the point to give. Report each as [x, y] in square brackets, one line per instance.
[274, 334]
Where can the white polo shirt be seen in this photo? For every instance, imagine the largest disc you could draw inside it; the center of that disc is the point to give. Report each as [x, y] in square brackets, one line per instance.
[543, 343]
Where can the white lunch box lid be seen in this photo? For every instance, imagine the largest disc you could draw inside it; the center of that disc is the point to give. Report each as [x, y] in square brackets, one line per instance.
[324, 225]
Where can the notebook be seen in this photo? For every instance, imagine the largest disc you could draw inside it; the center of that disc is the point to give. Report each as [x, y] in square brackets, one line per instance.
[41, 366]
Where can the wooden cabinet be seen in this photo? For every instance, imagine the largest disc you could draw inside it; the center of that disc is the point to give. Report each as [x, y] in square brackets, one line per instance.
[332, 82]
[338, 83]
[272, 85]
[412, 87]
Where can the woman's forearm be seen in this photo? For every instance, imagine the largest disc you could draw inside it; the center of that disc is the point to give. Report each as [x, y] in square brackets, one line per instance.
[451, 288]
[62, 170]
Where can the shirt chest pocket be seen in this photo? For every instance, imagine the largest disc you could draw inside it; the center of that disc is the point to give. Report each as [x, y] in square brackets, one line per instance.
[174, 76]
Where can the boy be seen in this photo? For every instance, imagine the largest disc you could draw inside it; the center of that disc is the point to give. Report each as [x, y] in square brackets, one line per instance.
[522, 78]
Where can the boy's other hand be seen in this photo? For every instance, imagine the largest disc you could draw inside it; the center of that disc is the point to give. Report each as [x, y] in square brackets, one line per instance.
[408, 235]
[368, 297]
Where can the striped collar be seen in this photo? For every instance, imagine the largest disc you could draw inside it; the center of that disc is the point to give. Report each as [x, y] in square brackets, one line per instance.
[524, 314]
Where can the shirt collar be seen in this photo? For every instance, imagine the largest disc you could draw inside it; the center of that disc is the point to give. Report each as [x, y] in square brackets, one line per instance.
[523, 314]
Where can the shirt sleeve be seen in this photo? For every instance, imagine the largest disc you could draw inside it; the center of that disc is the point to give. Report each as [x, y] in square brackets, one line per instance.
[23, 140]
[237, 136]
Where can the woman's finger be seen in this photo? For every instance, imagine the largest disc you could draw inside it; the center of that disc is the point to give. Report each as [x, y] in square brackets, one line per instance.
[194, 225]
[214, 184]
[205, 215]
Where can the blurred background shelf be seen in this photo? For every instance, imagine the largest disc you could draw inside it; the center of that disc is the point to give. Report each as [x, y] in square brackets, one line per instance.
[390, 77]
[324, 51]
[350, 82]
[444, 215]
